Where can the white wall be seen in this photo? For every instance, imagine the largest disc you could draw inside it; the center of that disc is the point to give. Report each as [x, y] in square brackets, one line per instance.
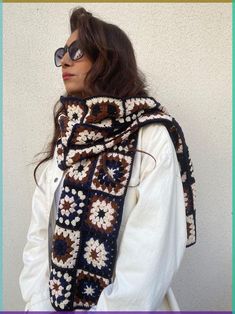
[185, 51]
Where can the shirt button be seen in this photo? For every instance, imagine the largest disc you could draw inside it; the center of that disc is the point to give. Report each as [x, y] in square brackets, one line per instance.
[56, 179]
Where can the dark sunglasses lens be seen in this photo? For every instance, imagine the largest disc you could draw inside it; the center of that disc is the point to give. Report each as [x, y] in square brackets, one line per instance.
[75, 51]
[58, 56]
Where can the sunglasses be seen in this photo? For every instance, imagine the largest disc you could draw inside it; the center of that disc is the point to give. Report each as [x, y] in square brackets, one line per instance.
[74, 51]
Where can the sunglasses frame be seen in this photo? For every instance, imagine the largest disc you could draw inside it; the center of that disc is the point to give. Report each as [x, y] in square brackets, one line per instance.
[67, 49]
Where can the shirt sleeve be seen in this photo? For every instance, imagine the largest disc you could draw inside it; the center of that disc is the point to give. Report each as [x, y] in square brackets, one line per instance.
[154, 238]
[33, 279]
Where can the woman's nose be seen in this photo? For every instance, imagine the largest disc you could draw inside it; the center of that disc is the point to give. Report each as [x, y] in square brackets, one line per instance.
[66, 59]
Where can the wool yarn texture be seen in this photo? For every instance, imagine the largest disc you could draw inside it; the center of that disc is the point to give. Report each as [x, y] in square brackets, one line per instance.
[96, 149]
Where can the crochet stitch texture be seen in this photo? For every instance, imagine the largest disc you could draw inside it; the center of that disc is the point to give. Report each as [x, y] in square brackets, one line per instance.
[96, 150]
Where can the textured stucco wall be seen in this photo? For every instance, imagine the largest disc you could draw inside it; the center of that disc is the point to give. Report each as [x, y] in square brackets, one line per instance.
[185, 52]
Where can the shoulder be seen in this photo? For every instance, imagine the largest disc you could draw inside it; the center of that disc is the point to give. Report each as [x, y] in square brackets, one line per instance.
[158, 150]
[155, 139]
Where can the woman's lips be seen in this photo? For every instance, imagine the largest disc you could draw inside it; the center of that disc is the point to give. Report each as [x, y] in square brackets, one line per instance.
[67, 77]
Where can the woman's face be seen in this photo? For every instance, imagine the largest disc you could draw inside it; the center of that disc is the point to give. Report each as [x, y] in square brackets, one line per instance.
[74, 84]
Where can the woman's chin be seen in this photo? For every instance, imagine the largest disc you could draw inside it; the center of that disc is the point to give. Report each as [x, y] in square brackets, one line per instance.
[71, 92]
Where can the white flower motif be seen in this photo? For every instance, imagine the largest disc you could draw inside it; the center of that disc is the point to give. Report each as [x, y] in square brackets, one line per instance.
[68, 258]
[67, 205]
[74, 112]
[95, 253]
[56, 287]
[89, 290]
[107, 211]
[79, 170]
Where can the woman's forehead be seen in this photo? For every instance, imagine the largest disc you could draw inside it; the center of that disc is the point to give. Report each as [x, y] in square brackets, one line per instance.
[72, 38]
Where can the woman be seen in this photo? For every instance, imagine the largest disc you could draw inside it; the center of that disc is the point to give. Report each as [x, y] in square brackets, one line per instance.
[114, 208]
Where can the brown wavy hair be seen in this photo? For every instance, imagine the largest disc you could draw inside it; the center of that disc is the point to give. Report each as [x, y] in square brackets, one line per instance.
[114, 71]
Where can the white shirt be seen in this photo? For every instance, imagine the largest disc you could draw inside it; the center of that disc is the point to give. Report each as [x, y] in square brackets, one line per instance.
[152, 236]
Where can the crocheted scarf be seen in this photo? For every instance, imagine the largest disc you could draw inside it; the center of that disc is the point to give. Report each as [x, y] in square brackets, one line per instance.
[96, 150]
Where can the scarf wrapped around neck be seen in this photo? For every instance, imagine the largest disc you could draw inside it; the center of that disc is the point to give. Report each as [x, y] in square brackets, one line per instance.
[96, 149]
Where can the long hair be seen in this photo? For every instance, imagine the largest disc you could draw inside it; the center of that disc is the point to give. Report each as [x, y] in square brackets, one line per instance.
[114, 71]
